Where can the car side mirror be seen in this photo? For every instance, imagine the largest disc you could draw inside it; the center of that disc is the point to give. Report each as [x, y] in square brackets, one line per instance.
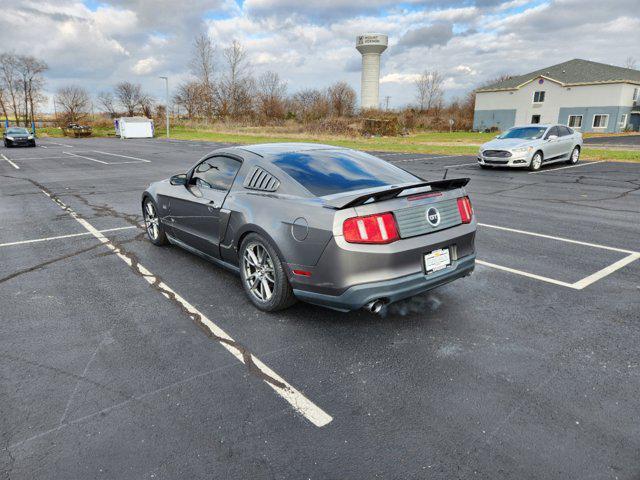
[180, 179]
[552, 137]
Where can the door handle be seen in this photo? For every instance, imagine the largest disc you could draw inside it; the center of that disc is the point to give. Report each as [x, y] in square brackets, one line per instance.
[211, 206]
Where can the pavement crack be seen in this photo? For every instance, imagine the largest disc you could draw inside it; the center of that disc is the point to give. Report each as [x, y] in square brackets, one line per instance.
[48, 262]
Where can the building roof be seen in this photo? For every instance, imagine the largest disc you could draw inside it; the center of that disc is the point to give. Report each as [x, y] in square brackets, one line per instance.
[573, 72]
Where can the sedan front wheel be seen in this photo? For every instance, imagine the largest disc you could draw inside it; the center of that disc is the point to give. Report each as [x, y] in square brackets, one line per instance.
[536, 162]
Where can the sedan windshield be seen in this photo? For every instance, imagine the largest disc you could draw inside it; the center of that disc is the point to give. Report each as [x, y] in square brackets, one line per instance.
[18, 131]
[526, 133]
[327, 172]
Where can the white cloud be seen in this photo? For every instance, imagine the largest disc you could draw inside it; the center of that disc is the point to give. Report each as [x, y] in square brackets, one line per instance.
[400, 78]
[146, 66]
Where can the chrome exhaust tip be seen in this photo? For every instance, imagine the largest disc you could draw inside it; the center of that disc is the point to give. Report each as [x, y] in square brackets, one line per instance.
[375, 306]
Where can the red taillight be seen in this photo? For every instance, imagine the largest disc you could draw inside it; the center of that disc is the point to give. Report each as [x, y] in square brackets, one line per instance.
[378, 228]
[465, 209]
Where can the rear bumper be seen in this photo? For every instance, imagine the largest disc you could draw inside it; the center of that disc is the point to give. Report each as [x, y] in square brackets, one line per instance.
[390, 290]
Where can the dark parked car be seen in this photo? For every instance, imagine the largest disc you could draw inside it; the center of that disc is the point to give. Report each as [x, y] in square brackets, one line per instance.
[327, 225]
[17, 136]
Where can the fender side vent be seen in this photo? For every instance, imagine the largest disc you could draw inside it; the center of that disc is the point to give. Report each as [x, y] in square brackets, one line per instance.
[260, 179]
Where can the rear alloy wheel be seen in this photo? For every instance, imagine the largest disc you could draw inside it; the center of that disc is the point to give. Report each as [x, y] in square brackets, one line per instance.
[536, 162]
[263, 276]
[152, 224]
[575, 156]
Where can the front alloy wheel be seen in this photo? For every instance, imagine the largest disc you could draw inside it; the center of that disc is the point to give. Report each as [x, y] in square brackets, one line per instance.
[152, 223]
[536, 162]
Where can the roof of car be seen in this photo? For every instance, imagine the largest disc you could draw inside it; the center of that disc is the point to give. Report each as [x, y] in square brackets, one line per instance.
[536, 125]
[268, 149]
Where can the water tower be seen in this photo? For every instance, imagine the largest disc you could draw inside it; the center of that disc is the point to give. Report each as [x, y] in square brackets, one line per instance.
[371, 46]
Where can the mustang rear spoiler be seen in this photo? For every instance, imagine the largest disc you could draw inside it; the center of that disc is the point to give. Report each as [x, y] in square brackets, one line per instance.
[389, 193]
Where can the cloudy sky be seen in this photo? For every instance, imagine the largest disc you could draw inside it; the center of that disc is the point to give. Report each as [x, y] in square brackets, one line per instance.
[311, 43]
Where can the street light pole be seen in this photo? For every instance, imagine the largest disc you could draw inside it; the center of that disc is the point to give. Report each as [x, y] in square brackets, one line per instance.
[166, 107]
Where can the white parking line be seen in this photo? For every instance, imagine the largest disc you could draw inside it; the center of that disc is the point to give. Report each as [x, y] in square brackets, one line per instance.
[295, 398]
[525, 274]
[123, 156]
[38, 158]
[10, 162]
[561, 239]
[585, 282]
[580, 284]
[86, 158]
[42, 146]
[62, 144]
[46, 239]
[460, 165]
[570, 166]
[424, 159]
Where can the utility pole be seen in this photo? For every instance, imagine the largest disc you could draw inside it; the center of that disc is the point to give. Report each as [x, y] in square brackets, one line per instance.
[386, 102]
[166, 106]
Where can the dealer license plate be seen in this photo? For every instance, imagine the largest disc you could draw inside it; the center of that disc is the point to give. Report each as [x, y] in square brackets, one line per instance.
[437, 260]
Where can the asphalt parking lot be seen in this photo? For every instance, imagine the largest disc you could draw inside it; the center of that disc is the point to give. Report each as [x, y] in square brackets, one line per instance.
[527, 369]
[615, 141]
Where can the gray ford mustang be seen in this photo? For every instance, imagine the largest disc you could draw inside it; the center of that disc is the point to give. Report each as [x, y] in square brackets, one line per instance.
[330, 226]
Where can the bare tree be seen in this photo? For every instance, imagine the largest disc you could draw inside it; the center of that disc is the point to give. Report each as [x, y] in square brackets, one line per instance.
[203, 68]
[3, 101]
[10, 79]
[30, 71]
[311, 104]
[271, 96]
[631, 62]
[429, 91]
[188, 96]
[108, 103]
[236, 89]
[342, 99]
[129, 96]
[74, 102]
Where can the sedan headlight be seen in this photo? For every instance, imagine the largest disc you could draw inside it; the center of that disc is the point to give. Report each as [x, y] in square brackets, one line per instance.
[10, 138]
[522, 150]
[480, 151]
[30, 137]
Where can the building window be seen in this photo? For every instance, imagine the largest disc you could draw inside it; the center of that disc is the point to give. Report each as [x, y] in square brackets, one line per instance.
[575, 121]
[623, 121]
[535, 118]
[635, 94]
[538, 97]
[600, 121]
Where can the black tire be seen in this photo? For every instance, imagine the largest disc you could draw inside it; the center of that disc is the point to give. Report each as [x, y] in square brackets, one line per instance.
[32, 144]
[484, 167]
[534, 166]
[574, 160]
[153, 225]
[281, 292]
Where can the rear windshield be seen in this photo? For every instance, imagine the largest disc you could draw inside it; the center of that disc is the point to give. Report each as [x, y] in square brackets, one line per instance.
[325, 172]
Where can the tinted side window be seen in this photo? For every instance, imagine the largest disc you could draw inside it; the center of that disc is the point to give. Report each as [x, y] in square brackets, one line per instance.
[216, 172]
[564, 131]
[552, 131]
